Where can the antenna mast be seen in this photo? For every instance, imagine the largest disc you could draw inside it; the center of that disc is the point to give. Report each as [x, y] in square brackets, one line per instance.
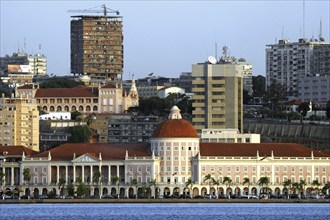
[303, 18]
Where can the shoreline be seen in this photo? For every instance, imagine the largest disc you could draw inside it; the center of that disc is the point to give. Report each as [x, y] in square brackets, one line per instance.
[40, 201]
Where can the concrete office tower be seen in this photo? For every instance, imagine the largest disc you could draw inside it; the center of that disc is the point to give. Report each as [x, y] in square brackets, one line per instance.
[97, 47]
[218, 96]
[287, 62]
[19, 123]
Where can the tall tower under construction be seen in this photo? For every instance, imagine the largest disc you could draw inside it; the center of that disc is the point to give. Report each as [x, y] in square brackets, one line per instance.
[97, 46]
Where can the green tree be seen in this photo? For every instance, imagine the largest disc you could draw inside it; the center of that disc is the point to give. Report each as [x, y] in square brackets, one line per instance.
[185, 105]
[2, 180]
[208, 178]
[303, 184]
[227, 181]
[82, 190]
[246, 180]
[275, 94]
[246, 97]
[263, 181]
[134, 183]
[75, 115]
[326, 188]
[190, 185]
[70, 189]
[54, 82]
[316, 185]
[79, 134]
[96, 177]
[303, 108]
[259, 85]
[217, 183]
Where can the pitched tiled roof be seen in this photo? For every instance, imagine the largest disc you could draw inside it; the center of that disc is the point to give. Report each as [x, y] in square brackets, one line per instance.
[67, 92]
[16, 150]
[250, 150]
[108, 151]
[176, 128]
[26, 86]
[293, 102]
[109, 86]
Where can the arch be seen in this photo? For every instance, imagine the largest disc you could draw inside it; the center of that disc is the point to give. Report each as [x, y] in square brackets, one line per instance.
[195, 191]
[309, 190]
[277, 191]
[35, 192]
[16, 192]
[94, 108]
[97, 192]
[131, 193]
[44, 191]
[113, 191]
[254, 191]
[59, 108]
[246, 191]
[265, 190]
[203, 191]
[157, 192]
[66, 108]
[8, 192]
[44, 108]
[73, 108]
[105, 191]
[212, 191]
[88, 108]
[176, 191]
[229, 191]
[220, 191]
[147, 192]
[27, 192]
[52, 108]
[81, 108]
[167, 191]
[237, 191]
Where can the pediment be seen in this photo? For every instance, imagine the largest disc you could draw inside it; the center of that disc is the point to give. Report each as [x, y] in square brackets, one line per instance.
[85, 158]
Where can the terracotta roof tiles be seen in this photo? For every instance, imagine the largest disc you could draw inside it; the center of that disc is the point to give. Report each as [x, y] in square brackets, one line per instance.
[67, 92]
[264, 149]
[108, 151]
[176, 128]
[16, 150]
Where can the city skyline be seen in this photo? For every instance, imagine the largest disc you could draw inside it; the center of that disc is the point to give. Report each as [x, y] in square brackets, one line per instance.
[165, 37]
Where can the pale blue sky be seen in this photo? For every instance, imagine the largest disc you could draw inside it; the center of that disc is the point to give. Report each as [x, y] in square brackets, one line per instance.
[165, 37]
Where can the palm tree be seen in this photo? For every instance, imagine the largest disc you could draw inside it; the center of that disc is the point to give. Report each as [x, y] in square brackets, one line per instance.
[326, 187]
[227, 180]
[134, 183]
[153, 183]
[26, 178]
[208, 178]
[296, 186]
[288, 183]
[190, 184]
[61, 183]
[317, 184]
[246, 180]
[2, 175]
[263, 181]
[115, 181]
[303, 183]
[96, 179]
[217, 183]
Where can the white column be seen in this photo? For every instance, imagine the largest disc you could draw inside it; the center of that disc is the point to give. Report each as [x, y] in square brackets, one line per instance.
[12, 176]
[66, 174]
[49, 174]
[83, 173]
[91, 173]
[20, 175]
[58, 174]
[74, 173]
[109, 174]
[273, 174]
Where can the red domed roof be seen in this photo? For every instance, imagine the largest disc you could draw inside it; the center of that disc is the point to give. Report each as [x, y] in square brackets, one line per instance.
[175, 128]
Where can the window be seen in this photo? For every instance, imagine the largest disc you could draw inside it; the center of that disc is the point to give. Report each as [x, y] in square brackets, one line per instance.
[245, 169]
[300, 169]
[316, 169]
[262, 169]
[139, 179]
[168, 158]
[36, 169]
[148, 168]
[228, 169]
[183, 169]
[139, 169]
[292, 169]
[168, 169]
[220, 169]
[237, 169]
[237, 179]
[130, 169]
[212, 169]
[176, 169]
[284, 169]
[44, 169]
[203, 169]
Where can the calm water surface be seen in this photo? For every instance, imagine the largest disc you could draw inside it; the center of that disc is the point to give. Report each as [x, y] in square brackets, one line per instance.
[164, 211]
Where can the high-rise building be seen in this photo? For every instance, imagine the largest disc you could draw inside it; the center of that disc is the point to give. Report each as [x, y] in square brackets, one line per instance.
[218, 96]
[97, 47]
[287, 62]
[19, 123]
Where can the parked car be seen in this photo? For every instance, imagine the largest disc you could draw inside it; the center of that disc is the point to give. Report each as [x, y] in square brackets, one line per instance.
[198, 197]
[210, 196]
[107, 197]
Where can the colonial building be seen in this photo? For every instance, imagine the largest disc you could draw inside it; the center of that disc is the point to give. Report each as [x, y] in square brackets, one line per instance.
[108, 98]
[166, 165]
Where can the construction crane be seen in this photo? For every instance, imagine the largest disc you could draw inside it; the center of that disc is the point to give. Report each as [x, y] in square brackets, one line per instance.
[105, 10]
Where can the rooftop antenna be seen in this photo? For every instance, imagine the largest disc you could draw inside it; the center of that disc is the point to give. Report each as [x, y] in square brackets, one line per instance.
[282, 32]
[17, 46]
[303, 18]
[216, 50]
[320, 35]
[24, 51]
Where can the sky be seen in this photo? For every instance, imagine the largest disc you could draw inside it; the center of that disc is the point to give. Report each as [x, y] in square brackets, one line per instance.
[165, 37]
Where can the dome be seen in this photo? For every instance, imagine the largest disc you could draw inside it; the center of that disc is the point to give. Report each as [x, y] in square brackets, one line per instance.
[175, 128]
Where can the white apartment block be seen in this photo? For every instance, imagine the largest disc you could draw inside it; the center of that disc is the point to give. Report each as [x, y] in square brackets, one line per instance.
[228, 136]
[314, 89]
[287, 62]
